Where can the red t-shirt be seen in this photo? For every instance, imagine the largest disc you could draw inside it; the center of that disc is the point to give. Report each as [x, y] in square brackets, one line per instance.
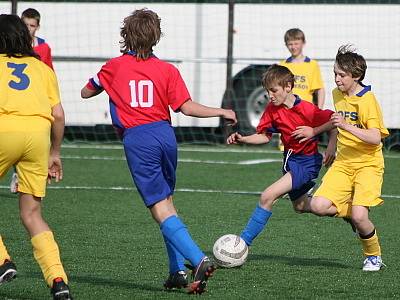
[44, 51]
[141, 91]
[285, 120]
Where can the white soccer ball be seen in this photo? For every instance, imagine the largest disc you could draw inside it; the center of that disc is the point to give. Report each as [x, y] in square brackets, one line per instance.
[230, 250]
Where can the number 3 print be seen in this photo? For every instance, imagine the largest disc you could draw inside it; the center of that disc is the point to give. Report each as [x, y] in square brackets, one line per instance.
[18, 72]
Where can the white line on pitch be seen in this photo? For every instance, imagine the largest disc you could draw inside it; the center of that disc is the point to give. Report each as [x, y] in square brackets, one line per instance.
[183, 160]
[185, 190]
[193, 149]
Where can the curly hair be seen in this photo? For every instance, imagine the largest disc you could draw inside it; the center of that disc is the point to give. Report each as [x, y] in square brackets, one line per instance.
[140, 32]
[15, 40]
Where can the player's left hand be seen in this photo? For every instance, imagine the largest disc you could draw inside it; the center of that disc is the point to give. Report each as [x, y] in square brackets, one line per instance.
[55, 171]
[303, 133]
[329, 157]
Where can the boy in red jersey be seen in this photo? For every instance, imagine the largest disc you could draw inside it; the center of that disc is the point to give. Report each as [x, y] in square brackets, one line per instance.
[31, 18]
[289, 115]
[142, 89]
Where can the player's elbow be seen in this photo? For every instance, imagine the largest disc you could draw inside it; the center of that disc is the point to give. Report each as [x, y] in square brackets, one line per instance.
[58, 113]
[85, 93]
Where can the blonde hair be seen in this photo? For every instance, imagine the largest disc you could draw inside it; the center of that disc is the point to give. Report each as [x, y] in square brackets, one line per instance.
[294, 34]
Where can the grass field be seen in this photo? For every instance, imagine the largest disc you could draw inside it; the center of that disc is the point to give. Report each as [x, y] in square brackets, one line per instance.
[113, 250]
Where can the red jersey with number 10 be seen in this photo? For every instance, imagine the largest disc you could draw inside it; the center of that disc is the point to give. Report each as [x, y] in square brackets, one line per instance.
[285, 120]
[141, 91]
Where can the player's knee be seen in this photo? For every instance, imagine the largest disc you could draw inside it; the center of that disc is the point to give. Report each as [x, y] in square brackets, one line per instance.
[317, 208]
[358, 218]
[267, 199]
[299, 208]
[29, 216]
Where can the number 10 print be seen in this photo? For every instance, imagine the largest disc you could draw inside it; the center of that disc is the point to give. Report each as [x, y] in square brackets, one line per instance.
[137, 93]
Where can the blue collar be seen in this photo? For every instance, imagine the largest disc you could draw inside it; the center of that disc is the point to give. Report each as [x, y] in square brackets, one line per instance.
[297, 100]
[306, 59]
[366, 88]
[133, 53]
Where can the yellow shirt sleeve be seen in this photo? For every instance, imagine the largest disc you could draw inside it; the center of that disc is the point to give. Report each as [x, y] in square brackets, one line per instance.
[373, 116]
[316, 78]
[53, 91]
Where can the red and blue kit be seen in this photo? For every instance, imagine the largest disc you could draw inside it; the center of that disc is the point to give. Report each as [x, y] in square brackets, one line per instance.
[301, 159]
[141, 93]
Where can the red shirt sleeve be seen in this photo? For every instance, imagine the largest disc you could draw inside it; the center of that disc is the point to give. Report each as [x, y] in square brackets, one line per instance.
[44, 51]
[177, 90]
[265, 122]
[321, 116]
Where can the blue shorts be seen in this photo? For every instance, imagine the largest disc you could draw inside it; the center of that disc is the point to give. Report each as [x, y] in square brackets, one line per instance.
[304, 169]
[151, 153]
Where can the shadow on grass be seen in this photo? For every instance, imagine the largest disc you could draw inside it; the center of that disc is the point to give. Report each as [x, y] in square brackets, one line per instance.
[300, 261]
[125, 284]
[91, 280]
[12, 295]
[8, 194]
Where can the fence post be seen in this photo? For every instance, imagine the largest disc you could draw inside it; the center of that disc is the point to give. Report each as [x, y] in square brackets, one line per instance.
[14, 7]
[229, 93]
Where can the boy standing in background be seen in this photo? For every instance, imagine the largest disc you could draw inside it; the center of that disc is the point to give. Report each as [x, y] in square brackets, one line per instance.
[308, 79]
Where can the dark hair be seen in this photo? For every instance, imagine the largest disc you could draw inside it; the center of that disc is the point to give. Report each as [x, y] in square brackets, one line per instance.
[294, 34]
[351, 62]
[277, 75]
[140, 32]
[31, 13]
[15, 39]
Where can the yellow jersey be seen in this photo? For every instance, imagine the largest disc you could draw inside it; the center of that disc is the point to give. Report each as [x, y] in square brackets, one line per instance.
[28, 87]
[361, 110]
[307, 77]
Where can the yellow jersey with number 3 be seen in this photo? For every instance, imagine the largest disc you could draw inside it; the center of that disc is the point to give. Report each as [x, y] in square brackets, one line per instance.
[28, 87]
[361, 110]
[307, 77]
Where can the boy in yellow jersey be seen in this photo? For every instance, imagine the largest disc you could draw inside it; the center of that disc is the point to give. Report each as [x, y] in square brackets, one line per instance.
[31, 18]
[308, 79]
[353, 183]
[31, 132]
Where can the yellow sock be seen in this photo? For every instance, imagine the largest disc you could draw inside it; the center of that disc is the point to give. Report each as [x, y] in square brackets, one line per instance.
[371, 245]
[46, 253]
[3, 252]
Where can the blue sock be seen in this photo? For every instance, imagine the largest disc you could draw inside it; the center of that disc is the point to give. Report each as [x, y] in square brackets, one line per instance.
[176, 260]
[178, 235]
[256, 224]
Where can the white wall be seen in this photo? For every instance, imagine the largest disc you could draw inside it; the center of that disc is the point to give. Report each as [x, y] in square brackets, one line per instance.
[197, 35]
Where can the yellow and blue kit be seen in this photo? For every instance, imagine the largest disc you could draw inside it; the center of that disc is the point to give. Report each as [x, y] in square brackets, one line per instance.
[29, 90]
[357, 172]
[307, 77]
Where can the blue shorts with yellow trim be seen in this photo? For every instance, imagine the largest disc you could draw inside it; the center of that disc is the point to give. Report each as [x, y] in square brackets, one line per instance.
[152, 155]
[304, 169]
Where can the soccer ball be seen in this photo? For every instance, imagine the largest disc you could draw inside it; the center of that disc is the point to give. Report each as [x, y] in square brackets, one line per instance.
[230, 251]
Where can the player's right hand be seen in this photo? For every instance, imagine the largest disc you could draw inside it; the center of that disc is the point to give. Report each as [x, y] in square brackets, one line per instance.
[55, 171]
[233, 138]
[230, 116]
